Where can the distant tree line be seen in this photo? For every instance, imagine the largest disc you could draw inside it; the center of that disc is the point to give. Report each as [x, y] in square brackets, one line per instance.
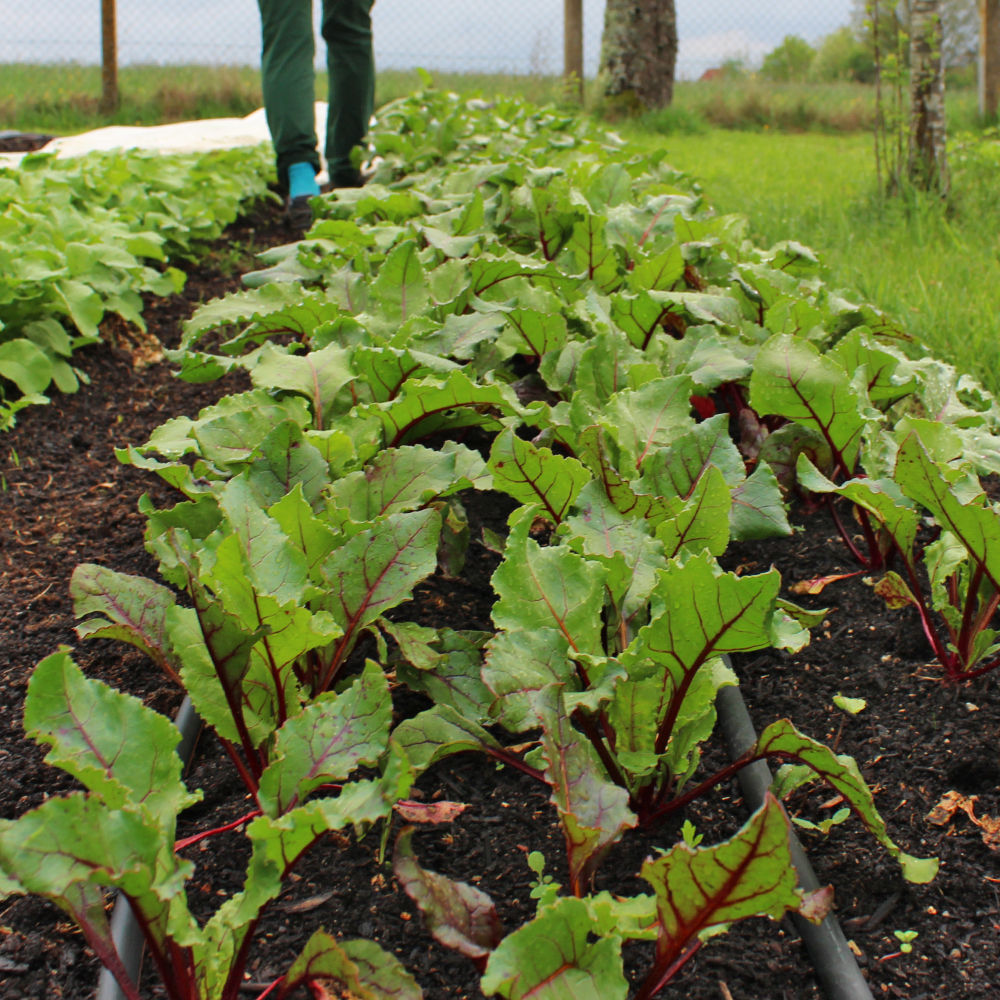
[848, 54]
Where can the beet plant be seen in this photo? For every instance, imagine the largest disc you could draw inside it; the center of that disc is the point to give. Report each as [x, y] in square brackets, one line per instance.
[517, 302]
[121, 832]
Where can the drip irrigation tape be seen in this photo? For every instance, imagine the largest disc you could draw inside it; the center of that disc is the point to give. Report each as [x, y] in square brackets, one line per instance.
[836, 967]
[125, 930]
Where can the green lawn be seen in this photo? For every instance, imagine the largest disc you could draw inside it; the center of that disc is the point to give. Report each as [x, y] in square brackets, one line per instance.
[935, 267]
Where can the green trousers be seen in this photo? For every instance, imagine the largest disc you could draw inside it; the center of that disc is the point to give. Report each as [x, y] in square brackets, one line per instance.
[289, 79]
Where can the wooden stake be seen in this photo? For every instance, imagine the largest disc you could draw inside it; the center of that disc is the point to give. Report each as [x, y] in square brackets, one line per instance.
[989, 58]
[573, 44]
[109, 57]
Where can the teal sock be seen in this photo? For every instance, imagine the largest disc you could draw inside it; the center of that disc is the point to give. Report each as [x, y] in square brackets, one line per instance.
[302, 180]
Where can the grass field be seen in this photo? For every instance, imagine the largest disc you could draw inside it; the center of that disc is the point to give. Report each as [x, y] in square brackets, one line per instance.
[791, 158]
[63, 99]
[935, 266]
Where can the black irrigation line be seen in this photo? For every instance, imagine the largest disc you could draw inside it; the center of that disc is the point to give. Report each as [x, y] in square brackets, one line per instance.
[836, 967]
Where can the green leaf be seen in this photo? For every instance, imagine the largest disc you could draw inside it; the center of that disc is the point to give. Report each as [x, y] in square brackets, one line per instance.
[458, 916]
[552, 587]
[453, 676]
[118, 748]
[782, 739]
[644, 420]
[943, 559]
[519, 664]
[376, 570]
[487, 272]
[673, 471]
[703, 613]
[361, 969]
[552, 958]
[659, 273]
[699, 890]
[880, 364]
[974, 526]
[793, 380]
[594, 813]
[428, 406]
[68, 844]
[133, 607]
[401, 287]
[327, 741]
[405, 479]
[318, 376]
[882, 498]
[385, 370]
[532, 333]
[241, 307]
[622, 544]
[26, 365]
[758, 509]
[698, 522]
[852, 706]
[273, 564]
[604, 367]
[535, 475]
[283, 460]
[593, 256]
[438, 733]
[314, 538]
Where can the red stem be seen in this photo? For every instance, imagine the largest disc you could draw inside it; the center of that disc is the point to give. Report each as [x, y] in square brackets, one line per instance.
[593, 734]
[729, 771]
[969, 613]
[874, 552]
[659, 977]
[925, 619]
[271, 988]
[842, 531]
[188, 841]
[516, 762]
[248, 779]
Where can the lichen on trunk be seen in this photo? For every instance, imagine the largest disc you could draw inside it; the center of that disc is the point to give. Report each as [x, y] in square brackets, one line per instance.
[639, 52]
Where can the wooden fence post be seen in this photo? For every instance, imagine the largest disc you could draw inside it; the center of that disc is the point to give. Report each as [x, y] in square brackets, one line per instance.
[573, 44]
[989, 58]
[109, 57]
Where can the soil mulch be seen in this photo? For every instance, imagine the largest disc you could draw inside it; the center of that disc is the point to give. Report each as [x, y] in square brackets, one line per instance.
[67, 500]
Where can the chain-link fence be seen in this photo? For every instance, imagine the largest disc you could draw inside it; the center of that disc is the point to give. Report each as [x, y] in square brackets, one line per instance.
[485, 36]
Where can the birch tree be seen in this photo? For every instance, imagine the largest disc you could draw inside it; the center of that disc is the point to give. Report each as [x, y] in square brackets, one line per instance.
[928, 164]
[639, 51]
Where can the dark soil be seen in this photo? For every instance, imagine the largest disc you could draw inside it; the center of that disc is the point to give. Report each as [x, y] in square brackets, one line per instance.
[68, 500]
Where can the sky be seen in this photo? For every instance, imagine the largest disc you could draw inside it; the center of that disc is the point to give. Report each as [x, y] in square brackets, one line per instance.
[516, 36]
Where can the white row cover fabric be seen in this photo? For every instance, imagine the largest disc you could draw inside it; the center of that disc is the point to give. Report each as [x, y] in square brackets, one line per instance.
[179, 137]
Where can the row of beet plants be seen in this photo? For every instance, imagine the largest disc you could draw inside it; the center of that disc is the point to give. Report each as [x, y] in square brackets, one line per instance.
[650, 386]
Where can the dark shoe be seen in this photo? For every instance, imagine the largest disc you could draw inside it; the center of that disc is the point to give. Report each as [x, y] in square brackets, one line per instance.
[347, 179]
[299, 214]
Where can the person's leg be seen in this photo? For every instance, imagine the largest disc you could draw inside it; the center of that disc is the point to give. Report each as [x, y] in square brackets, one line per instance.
[347, 30]
[289, 89]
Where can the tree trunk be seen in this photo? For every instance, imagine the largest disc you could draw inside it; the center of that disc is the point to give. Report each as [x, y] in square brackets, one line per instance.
[573, 45]
[639, 52]
[928, 166]
[989, 58]
[109, 57]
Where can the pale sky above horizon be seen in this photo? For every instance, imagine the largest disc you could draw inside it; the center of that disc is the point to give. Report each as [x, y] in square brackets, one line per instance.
[515, 36]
